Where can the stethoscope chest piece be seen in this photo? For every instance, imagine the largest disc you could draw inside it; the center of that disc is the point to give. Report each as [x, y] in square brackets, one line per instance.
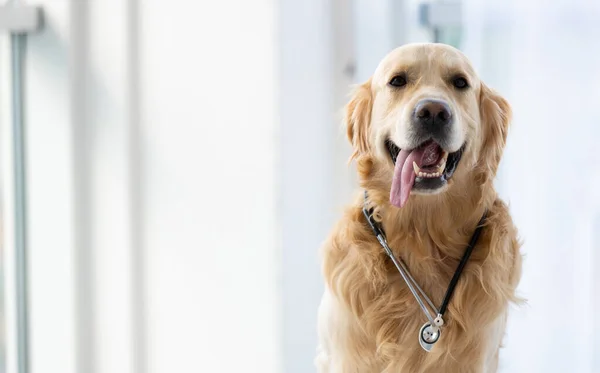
[428, 335]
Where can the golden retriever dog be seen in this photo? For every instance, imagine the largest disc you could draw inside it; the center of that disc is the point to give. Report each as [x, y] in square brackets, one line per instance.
[427, 136]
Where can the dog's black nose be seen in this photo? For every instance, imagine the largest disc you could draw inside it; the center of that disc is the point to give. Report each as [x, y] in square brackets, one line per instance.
[433, 113]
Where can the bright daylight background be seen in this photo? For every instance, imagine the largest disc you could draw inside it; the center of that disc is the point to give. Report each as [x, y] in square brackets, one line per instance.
[184, 160]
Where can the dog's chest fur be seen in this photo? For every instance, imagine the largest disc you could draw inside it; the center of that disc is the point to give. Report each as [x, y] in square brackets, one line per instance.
[369, 320]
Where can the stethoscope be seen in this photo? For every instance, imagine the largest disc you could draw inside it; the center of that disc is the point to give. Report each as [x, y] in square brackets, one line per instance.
[431, 331]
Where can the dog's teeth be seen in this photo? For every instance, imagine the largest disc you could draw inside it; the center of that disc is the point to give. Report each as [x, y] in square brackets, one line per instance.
[442, 165]
[417, 168]
[429, 175]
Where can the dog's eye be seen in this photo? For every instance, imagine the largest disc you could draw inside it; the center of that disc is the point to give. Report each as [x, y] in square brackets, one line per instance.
[398, 81]
[460, 82]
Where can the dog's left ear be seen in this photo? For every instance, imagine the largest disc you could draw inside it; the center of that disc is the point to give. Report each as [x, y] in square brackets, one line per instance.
[495, 115]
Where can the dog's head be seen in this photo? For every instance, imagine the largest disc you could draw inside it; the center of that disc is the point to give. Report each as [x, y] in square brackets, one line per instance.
[424, 124]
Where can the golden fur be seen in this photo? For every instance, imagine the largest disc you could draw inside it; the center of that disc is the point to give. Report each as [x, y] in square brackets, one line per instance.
[369, 320]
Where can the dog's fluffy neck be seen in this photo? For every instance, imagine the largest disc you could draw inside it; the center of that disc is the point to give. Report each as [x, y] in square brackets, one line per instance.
[441, 223]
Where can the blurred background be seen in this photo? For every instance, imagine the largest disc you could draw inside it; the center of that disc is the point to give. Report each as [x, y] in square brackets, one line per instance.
[170, 169]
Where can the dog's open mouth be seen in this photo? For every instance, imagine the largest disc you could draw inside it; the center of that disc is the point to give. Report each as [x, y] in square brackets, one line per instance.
[426, 168]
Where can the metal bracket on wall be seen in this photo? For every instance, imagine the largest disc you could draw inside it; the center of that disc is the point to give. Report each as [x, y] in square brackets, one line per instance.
[439, 15]
[19, 21]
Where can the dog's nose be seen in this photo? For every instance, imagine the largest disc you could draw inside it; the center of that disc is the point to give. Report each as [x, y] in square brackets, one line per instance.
[433, 113]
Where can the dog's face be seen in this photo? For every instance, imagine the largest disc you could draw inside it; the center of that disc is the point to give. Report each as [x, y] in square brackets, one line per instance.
[425, 119]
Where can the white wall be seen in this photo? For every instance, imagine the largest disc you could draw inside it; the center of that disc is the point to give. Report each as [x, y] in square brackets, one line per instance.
[209, 155]
[306, 169]
[153, 147]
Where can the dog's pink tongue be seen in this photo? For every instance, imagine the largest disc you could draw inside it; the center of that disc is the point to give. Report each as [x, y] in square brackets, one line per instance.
[404, 175]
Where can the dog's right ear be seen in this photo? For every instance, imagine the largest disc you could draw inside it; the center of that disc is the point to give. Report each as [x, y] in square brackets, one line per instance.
[358, 119]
